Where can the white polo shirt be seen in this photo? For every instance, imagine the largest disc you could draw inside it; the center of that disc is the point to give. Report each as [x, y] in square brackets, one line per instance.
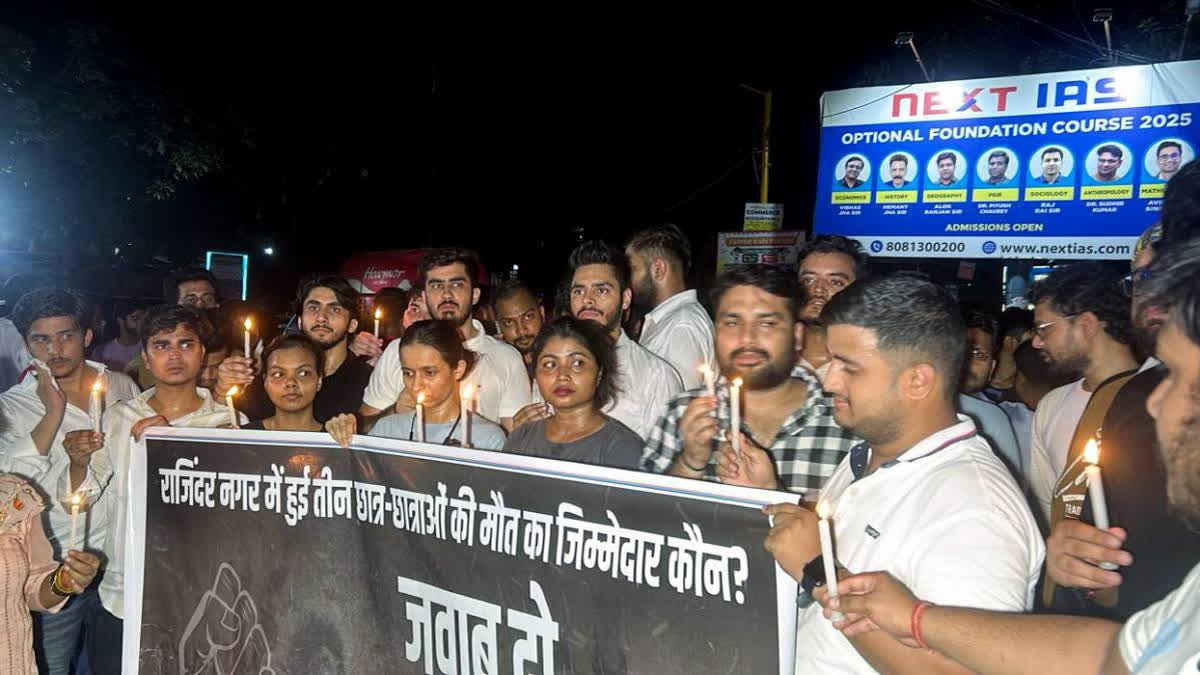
[109, 472]
[946, 518]
[23, 410]
[499, 376]
[681, 333]
[1164, 638]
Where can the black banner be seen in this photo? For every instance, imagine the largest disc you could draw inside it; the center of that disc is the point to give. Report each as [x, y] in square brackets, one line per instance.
[281, 553]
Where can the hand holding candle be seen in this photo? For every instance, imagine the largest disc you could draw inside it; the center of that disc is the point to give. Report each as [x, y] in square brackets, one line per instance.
[421, 417]
[827, 555]
[378, 316]
[76, 503]
[96, 404]
[1091, 455]
[710, 380]
[735, 417]
[247, 324]
[233, 413]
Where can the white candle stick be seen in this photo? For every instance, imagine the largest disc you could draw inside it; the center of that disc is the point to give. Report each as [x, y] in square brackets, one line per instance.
[735, 417]
[710, 381]
[421, 417]
[96, 405]
[827, 556]
[247, 325]
[466, 394]
[378, 315]
[76, 502]
[233, 413]
[1091, 455]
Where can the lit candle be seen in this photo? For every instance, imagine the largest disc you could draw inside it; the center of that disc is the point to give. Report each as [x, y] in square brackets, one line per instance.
[1091, 455]
[247, 324]
[827, 557]
[76, 502]
[735, 417]
[378, 316]
[465, 394]
[233, 414]
[710, 382]
[421, 417]
[96, 405]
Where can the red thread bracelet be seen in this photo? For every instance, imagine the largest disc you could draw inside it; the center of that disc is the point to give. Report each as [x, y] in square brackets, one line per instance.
[915, 626]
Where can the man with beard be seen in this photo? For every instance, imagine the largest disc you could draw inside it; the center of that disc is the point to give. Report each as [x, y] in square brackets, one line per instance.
[675, 326]
[449, 283]
[923, 496]
[327, 307]
[828, 264]
[1081, 326]
[1163, 638]
[49, 439]
[520, 316]
[1161, 549]
[789, 439]
[173, 339]
[980, 360]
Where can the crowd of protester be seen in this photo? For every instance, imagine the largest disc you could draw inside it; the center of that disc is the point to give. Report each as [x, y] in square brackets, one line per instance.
[949, 440]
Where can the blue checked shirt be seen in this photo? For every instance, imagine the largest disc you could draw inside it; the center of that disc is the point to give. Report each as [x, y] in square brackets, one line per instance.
[806, 449]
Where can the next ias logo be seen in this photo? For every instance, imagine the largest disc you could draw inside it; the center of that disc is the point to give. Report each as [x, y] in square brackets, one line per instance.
[998, 99]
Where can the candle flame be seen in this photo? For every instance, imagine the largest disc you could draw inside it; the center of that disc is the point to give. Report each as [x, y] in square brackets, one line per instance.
[378, 314]
[96, 385]
[232, 392]
[737, 381]
[1091, 452]
[421, 398]
[467, 391]
[76, 499]
[247, 324]
[822, 509]
[704, 369]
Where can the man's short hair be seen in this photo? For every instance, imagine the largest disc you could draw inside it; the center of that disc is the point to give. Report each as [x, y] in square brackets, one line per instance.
[979, 319]
[43, 303]
[346, 295]
[836, 243]
[854, 158]
[1001, 154]
[1015, 322]
[123, 307]
[908, 313]
[947, 155]
[512, 288]
[1032, 366]
[1174, 285]
[182, 276]
[1088, 286]
[1052, 149]
[774, 280]
[1168, 144]
[898, 158]
[1111, 149]
[596, 252]
[448, 256]
[165, 318]
[665, 241]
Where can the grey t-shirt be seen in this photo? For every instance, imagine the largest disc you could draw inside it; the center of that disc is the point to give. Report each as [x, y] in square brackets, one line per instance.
[484, 434]
[613, 444]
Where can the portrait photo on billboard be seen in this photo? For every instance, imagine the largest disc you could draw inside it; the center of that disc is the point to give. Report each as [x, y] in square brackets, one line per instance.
[946, 169]
[1051, 164]
[899, 171]
[853, 172]
[1108, 162]
[997, 166]
[1163, 159]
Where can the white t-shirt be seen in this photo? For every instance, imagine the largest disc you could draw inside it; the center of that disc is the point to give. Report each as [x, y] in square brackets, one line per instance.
[680, 332]
[23, 410]
[946, 518]
[500, 378]
[1164, 638]
[1054, 424]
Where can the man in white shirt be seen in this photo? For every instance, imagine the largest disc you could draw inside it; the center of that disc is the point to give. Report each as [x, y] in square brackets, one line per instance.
[600, 292]
[449, 280]
[49, 438]
[173, 338]
[675, 326]
[923, 497]
[1162, 639]
[1082, 326]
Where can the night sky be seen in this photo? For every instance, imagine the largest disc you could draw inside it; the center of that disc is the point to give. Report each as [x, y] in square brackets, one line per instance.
[506, 131]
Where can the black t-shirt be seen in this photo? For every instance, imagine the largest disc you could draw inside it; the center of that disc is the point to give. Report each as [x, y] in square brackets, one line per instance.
[341, 392]
[1164, 549]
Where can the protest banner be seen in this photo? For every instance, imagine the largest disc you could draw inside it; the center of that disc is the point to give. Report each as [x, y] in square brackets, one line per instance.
[1058, 165]
[271, 552]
